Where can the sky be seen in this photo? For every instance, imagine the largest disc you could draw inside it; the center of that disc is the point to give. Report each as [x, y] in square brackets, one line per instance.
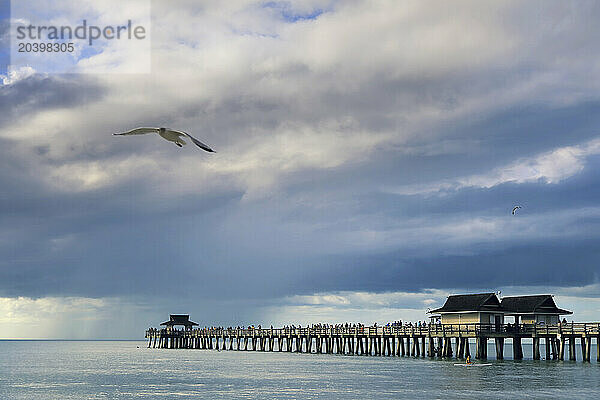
[369, 154]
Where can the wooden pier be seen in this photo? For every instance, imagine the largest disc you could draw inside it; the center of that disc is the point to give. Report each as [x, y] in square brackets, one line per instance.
[432, 340]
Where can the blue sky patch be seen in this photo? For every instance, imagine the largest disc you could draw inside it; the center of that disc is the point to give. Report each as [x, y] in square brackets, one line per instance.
[4, 36]
[288, 14]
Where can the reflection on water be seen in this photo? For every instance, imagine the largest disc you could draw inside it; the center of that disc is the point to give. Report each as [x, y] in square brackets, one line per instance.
[120, 370]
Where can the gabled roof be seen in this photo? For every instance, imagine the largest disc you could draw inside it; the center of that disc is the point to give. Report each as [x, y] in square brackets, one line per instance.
[470, 302]
[179, 319]
[536, 304]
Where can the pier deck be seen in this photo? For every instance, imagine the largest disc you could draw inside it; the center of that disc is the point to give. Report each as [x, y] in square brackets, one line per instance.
[433, 340]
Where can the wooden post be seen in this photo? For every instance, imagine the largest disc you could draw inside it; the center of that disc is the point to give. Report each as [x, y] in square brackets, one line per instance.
[547, 344]
[517, 348]
[583, 348]
[536, 348]
[460, 353]
[589, 348]
[457, 347]
[572, 348]
[422, 346]
[561, 352]
[499, 348]
[481, 348]
[431, 347]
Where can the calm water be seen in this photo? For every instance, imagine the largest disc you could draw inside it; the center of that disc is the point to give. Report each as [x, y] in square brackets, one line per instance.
[119, 370]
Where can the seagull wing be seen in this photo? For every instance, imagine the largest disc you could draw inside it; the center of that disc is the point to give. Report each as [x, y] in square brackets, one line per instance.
[138, 131]
[198, 143]
[515, 209]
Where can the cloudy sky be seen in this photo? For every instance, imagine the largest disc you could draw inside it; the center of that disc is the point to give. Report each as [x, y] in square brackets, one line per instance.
[369, 154]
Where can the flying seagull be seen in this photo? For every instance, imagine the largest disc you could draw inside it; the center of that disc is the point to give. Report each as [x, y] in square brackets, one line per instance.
[515, 209]
[169, 134]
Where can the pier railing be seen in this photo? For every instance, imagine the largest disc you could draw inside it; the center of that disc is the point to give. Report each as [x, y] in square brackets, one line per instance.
[474, 329]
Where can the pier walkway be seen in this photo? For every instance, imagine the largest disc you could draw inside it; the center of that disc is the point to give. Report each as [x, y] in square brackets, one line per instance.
[432, 340]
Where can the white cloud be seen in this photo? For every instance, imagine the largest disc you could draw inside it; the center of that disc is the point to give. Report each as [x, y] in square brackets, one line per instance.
[551, 168]
[42, 318]
[16, 74]
[69, 318]
[353, 307]
[367, 300]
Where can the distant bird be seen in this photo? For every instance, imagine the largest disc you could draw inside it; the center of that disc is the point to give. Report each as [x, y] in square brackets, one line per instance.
[515, 209]
[169, 134]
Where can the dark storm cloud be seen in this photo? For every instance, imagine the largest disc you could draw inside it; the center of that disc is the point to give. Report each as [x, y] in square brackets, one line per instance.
[103, 243]
[36, 93]
[552, 263]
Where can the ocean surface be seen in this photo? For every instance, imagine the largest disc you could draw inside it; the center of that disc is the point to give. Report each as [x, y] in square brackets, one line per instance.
[31, 370]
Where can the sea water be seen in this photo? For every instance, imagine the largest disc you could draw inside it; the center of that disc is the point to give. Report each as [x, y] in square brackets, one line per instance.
[32, 370]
